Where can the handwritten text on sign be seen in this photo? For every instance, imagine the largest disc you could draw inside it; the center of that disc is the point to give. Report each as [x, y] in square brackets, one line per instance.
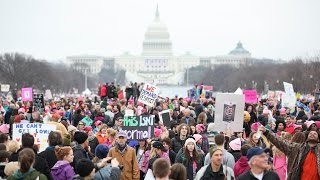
[148, 94]
[138, 127]
[40, 132]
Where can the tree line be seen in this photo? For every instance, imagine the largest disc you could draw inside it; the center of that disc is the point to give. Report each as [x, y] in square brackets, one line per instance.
[261, 76]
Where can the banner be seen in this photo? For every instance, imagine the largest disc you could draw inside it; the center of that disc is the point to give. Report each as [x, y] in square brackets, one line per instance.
[5, 87]
[138, 127]
[165, 117]
[38, 102]
[148, 94]
[250, 96]
[39, 131]
[289, 98]
[26, 94]
[229, 112]
[207, 88]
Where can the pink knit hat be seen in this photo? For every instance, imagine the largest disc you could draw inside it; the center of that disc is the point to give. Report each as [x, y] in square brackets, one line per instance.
[235, 144]
[283, 111]
[297, 126]
[157, 132]
[197, 137]
[309, 123]
[255, 126]
[201, 127]
[22, 110]
[4, 128]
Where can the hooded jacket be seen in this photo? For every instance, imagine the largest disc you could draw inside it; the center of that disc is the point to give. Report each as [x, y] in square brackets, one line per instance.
[241, 166]
[50, 156]
[62, 170]
[32, 174]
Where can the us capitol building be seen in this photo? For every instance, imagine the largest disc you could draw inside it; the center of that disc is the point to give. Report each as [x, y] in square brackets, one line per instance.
[157, 63]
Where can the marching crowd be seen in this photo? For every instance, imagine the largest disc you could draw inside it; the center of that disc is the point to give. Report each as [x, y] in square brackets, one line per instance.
[276, 142]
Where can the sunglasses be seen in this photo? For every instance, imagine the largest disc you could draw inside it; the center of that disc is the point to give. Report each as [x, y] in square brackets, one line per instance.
[81, 124]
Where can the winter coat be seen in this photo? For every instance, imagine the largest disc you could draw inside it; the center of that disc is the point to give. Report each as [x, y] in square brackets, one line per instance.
[188, 164]
[191, 121]
[267, 175]
[296, 153]
[101, 137]
[241, 166]
[177, 143]
[280, 166]
[204, 173]
[108, 173]
[79, 153]
[146, 165]
[93, 143]
[32, 174]
[40, 164]
[62, 170]
[128, 159]
[50, 156]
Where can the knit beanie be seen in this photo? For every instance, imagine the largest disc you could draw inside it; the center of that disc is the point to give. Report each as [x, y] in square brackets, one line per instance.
[80, 137]
[190, 140]
[101, 151]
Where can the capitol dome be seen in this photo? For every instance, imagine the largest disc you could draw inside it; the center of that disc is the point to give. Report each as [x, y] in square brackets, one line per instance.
[240, 51]
[157, 39]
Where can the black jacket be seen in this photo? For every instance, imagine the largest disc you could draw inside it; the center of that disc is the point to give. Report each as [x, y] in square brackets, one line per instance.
[268, 175]
[79, 153]
[50, 156]
[177, 143]
[40, 164]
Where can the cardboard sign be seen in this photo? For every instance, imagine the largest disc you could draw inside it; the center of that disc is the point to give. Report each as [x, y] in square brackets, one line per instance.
[148, 94]
[250, 96]
[138, 127]
[39, 131]
[38, 102]
[229, 112]
[129, 112]
[26, 94]
[5, 87]
[165, 118]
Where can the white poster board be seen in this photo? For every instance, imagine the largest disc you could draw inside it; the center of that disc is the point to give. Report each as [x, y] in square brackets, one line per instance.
[39, 131]
[229, 112]
[5, 87]
[48, 94]
[289, 98]
[148, 94]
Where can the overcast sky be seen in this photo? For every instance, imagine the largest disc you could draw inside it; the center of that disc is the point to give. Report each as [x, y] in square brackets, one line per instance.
[55, 29]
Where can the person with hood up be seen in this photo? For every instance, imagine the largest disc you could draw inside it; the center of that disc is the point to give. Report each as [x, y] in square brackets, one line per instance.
[242, 166]
[63, 170]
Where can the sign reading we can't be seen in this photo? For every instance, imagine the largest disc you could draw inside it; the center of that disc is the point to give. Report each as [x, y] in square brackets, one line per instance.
[138, 127]
[148, 94]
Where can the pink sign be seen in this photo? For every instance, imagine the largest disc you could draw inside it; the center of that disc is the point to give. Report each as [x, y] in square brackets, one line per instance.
[207, 88]
[26, 94]
[250, 96]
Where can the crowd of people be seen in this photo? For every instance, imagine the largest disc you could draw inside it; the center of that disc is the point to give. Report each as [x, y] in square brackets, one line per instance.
[89, 143]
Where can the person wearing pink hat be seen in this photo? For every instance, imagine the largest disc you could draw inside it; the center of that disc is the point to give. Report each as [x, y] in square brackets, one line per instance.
[311, 126]
[200, 129]
[93, 141]
[235, 146]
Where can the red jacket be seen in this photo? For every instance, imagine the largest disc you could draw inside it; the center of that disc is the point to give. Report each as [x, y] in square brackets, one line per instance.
[241, 166]
[103, 90]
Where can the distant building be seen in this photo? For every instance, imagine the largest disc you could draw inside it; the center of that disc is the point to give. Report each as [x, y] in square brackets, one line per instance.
[157, 64]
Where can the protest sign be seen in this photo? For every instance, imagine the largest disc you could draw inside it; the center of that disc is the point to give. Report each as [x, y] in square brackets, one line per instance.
[39, 131]
[48, 94]
[5, 87]
[289, 98]
[229, 112]
[148, 94]
[38, 102]
[207, 88]
[26, 94]
[138, 127]
[250, 96]
[129, 112]
[165, 117]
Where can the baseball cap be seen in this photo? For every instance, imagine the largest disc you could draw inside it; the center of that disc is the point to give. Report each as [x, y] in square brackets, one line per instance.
[255, 151]
[159, 145]
[122, 134]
